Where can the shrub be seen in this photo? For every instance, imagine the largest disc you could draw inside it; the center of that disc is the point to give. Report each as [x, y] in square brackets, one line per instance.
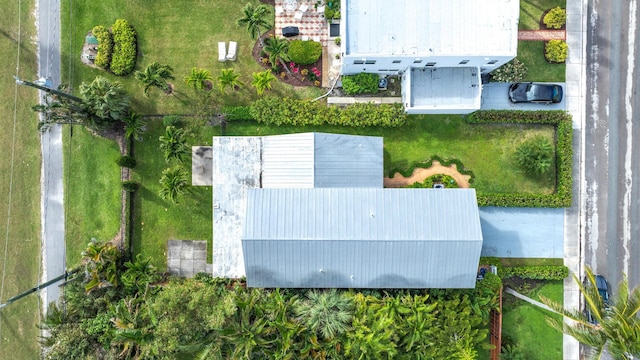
[304, 52]
[555, 18]
[564, 157]
[125, 50]
[446, 180]
[360, 83]
[338, 41]
[332, 11]
[535, 155]
[513, 71]
[130, 186]
[126, 161]
[512, 352]
[172, 120]
[105, 46]
[236, 113]
[286, 111]
[556, 51]
[548, 272]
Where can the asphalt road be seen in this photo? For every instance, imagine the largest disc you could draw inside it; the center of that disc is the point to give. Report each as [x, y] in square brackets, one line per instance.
[53, 246]
[612, 141]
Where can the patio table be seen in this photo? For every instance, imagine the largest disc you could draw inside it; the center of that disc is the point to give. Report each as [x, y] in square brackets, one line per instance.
[290, 5]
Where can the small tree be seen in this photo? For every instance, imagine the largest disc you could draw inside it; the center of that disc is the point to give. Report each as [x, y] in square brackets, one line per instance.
[155, 75]
[105, 101]
[199, 78]
[555, 18]
[535, 155]
[172, 183]
[134, 126]
[174, 144]
[556, 51]
[262, 81]
[278, 51]
[228, 78]
[255, 19]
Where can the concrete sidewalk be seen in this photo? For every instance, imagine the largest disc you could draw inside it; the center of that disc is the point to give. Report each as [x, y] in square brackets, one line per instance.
[575, 94]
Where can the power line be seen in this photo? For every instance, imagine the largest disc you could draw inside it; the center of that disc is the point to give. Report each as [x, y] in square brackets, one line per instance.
[13, 152]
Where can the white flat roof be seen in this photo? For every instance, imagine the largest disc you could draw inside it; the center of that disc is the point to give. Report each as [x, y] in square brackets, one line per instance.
[431, 27]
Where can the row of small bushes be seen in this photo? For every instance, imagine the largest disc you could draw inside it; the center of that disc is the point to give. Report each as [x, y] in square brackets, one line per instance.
[540, 272]
[286, 111]
[562, 197]
[105, 46]
[125, 49]
[427, 164]
[363, 83]
[236, 113]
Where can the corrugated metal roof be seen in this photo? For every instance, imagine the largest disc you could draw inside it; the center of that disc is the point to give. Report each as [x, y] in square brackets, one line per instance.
[431, 28]
[376, 238]
[322, 160]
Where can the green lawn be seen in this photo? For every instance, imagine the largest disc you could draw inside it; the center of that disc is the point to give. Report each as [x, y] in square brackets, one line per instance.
[19, 334]
[531, 12]
[525, 324]
[531, 53]
[93, 190]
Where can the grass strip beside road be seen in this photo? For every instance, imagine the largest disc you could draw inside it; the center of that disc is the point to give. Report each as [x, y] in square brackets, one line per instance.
[20, 334]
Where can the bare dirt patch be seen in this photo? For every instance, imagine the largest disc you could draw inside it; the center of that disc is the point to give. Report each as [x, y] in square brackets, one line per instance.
[420, 174]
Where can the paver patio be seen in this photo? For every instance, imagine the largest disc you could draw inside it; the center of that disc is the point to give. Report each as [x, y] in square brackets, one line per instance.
[312, 24]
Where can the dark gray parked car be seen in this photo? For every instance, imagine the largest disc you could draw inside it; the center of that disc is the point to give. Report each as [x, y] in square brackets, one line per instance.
[603, 289]
[535, 93]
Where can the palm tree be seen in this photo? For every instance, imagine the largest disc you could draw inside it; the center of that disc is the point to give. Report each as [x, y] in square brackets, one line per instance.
[172, 183]
[101, 264]
[228, 78]
[134, 126]
[139, 274]
[56, 110]
[174, 144]
[327, 313]
[262, 81]
[199, 78]
[104, 100]
[278, 52]
[255, 19]
[617, 327]
[155, 74]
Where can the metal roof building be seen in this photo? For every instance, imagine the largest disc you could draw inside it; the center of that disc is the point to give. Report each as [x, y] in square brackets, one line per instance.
[240, 163]
[361, 238]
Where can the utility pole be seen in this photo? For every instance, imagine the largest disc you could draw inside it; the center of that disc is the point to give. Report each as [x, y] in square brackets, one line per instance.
[40, 85]
[41, 286]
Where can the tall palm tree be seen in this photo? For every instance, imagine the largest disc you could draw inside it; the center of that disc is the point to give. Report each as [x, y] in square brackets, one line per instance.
[327, 313]
[617, 327]
[262, 81]
[174, 144]
[172, 183]
[228, 78]
[155, 75]
[278, 51]
[198, 78]
[104, 100]
[255, 19]
[134, 126]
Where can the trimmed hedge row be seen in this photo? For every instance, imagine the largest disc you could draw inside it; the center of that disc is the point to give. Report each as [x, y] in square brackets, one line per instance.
[105, 46]
[564, 157]
[125, 51]
[548, 272]
[286, 111]
[427, 164]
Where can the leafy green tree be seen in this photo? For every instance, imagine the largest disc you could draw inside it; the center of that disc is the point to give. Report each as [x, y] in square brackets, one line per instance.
[104, 100]
[155, 75]
[262, 81]
[371, 337]
[174, 144]
[199, 79]
[535, 155]
[326, 313]
[228, 78]
[278, 49]
[255, 20]
[134, 126]
[172, 183]
[618, 326]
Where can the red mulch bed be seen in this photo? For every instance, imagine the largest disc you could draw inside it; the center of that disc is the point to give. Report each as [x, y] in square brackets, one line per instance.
[297, 79]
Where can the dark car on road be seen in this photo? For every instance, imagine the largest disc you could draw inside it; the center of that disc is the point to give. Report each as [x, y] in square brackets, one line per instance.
[603, 290]
[535, 93]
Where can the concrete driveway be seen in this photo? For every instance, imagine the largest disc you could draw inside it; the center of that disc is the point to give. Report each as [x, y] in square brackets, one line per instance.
[495, 97]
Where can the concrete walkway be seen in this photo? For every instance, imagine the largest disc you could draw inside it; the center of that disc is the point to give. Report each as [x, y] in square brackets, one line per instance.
[544, 35]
